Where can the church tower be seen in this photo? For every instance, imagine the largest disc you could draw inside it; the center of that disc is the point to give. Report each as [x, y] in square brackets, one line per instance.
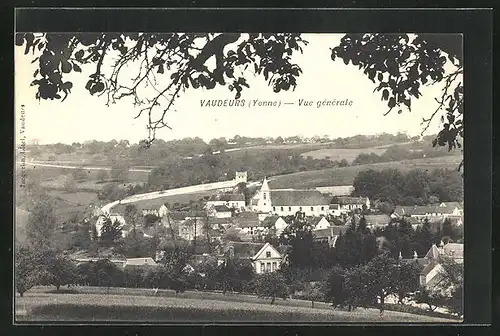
[264, 204]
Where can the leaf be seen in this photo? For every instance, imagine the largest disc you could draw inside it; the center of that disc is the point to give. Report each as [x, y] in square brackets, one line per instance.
[385, 94]
[66, 66]
[380, 76]
[79, 54]
[392, 102]
[76, 68]
[161, 69]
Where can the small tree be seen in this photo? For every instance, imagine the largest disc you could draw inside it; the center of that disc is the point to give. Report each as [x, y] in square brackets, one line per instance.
[271, 285]
[62, 270]
[28, 272]
[314, 291]
[406, 280]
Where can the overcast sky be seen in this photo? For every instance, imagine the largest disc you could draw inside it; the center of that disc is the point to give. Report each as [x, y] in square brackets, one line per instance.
[83, 117]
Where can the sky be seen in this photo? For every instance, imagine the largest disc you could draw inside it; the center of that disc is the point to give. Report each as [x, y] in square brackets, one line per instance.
[82, 117]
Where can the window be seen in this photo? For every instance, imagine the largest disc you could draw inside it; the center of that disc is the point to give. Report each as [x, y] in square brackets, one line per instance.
[289, 208]
[300, 208]
[274, 265]
[274, 208]
[268, 254]
[322, 208]
[262, 269]
[281, 208]
[312, 208]
[265, 195]
[268, 267]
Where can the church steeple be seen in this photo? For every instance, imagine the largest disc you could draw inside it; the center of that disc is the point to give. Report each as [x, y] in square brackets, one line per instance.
[265, 185]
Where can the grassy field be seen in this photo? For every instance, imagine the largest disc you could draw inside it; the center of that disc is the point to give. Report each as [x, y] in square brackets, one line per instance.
[346, 175]
[141, 305]
[337, 154]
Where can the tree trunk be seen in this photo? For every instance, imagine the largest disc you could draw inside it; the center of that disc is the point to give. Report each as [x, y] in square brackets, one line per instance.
[21, 294]
[381, 308]
[312, 304]
[273, 299]
[57, 288]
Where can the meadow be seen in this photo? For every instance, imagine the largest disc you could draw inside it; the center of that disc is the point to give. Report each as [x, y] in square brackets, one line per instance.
[123, 304]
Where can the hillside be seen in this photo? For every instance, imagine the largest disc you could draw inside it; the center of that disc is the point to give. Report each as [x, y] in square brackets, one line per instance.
[346, 175]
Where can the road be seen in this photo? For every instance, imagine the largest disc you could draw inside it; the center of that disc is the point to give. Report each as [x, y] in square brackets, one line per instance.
[38, 164]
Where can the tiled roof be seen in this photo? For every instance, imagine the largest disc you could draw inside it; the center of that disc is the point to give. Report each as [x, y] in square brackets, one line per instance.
[222, 208]
[351, 200]
[376, 220]
[245, 249]
[298, 198]
[270, 220]
[178, 215]
[247, 219]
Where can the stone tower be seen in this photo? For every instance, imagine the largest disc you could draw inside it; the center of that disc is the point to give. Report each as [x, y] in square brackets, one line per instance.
[241, 177]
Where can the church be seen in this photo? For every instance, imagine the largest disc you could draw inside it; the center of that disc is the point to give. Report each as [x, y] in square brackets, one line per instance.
[284, 202]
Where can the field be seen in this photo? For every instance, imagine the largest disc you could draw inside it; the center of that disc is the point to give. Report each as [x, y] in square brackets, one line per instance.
[346, 175]
[140, 305]
[337, 154]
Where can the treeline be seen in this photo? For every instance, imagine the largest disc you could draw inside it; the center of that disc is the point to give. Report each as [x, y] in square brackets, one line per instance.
[415, 187]
[398, 153]
[136, 154]
[222, 167]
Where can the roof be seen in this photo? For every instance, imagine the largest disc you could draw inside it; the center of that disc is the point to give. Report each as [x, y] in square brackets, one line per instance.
[454, 250]
[270, 220]
[429, 267]
[334, 207]
[266, 245]
[433, 252]
[316, 220]
[377, 220]
[215, 220]
[245, 249]
[221, 208]
[423, 210]
[292, 197]
[351, 200]
[178, 215]
[453, 205]
[336, 190]
[247, 219]
[139, 261]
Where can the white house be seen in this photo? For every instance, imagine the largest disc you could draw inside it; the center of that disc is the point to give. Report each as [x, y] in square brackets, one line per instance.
[235, 201]
[277, 223]
[250, 224]
[163, 211]
[421, 212]
[284, 202]
[220, 211]
[267, 259]
[432, 273]
[321, 223]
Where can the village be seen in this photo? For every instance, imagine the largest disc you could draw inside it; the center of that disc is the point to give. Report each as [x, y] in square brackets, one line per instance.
[249, 229]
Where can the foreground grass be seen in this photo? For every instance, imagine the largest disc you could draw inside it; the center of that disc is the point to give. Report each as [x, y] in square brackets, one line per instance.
[187, 307]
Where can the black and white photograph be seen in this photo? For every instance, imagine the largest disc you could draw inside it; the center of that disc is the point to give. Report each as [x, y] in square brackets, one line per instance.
[239, 177]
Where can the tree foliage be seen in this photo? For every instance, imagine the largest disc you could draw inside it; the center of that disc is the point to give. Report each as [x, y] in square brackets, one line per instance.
[271, 285]
[399, 64]
[41, 224]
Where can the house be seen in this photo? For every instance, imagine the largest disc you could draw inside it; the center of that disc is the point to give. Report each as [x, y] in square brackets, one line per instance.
[220, 223]
[275, 222]
[267, 259]
[146, 212]
[320, 223]
[348, 203]
[329, 235]
[220, 211]
[427, 211]
[249, 223]
[376, 221]
[163, 210]
[334, 210]
[284, 202]
[148, 261]
[230, 200]
[432, 273]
